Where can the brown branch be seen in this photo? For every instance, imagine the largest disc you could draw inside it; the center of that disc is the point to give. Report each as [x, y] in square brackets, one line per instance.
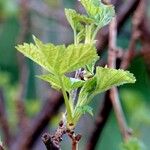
[114, 92]
[1, 148]
[46, 138]
[137, 19]
[3, 120]
[74, 138]
[125, 131]
[53, 141]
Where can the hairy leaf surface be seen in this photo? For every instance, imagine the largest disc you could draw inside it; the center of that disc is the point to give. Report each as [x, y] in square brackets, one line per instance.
[107, 77]
[59, 59]
[104, 79]
[77, 56]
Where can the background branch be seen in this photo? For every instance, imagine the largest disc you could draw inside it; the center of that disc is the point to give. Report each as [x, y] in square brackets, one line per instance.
[124, 11]
[3, 120]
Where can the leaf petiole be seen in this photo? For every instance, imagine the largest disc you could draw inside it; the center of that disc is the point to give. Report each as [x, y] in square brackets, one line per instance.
[66, 99]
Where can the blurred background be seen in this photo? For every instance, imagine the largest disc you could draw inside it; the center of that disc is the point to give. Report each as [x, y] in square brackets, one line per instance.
[29, 107]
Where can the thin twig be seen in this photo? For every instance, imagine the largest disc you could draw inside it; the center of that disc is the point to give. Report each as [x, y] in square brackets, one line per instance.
[46, 138]
[53, 141]
[114, 92]
[137, 19]
[74, 138]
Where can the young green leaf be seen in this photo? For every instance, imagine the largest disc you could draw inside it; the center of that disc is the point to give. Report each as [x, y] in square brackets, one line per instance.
[77, 56]
[81, 110]
[102, 14]
[90, 67]
[107, 77]
[87, 92]
[69, 83]
[104, 79]
[76, 20]
[86, 109]
[75, 84]
[59, 59]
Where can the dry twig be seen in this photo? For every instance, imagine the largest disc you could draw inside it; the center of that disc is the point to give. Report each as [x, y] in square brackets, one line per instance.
[114, 92]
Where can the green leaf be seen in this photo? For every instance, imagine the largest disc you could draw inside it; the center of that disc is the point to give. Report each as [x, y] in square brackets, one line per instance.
[59, 59]
[76, 20]
[75, 83]
[85, 109]
[86, 92]
[80, 110]
[52, 79]
[52, 54]
[90, 67]
[132, 144]
[69, 83]
[77, 56]
[102, 14]
[31, 51]
[107, 78]
[104, 79]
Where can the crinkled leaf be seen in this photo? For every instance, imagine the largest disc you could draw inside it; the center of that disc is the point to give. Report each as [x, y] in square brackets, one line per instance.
[51, 53]
[76, 20]
[31, 51]
[101, 13]
[77, 56]
[107, 77]
[133, 144]
[104, 79]
[69, 83]
[59, 59]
